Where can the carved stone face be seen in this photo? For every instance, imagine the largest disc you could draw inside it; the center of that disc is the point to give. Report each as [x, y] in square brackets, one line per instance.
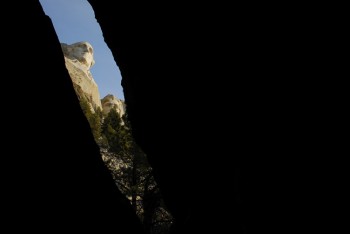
[83, 52]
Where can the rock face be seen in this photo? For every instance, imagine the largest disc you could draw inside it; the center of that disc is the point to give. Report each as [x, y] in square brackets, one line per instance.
[79, 59]
[55, 172]
[110, 101]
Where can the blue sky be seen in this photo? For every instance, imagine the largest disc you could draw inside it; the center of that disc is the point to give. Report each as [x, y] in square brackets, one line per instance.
[74, 21]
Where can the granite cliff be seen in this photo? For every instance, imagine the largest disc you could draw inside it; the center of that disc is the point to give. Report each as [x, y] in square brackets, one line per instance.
[110, 101]
[79, 58]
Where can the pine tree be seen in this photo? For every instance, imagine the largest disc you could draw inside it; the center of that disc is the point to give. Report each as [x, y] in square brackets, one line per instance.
[112, 131]
[94, 119]
[96, 124]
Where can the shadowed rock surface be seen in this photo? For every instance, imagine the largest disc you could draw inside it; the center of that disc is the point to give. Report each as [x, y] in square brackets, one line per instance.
[245, 120]
[53, 179]
[233, 159]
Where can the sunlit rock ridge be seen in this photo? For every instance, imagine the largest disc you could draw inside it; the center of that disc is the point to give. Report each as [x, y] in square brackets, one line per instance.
[79, 58]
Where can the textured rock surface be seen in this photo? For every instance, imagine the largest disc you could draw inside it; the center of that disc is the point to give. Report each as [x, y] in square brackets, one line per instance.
[81, 51]
[79, 59]
[54, 174]
[272, 123]
[110, 101]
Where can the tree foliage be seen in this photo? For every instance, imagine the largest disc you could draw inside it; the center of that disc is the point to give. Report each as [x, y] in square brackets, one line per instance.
[129, 167]
[94, 119]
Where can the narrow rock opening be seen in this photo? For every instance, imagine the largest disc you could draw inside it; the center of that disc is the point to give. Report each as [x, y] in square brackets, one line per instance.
[95, 74]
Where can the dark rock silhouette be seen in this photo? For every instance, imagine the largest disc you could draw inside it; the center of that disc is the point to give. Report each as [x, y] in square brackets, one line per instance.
[53, 178]
[230, 159]
[228, 163]
[191, 131]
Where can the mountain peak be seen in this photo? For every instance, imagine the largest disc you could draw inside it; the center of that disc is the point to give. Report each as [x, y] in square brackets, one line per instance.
[81, 51]
[110, 101]
[79, 59]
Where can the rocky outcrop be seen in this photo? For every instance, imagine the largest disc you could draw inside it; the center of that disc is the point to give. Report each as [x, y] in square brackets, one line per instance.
[54, 173]
[110, 101]
[79, 59]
